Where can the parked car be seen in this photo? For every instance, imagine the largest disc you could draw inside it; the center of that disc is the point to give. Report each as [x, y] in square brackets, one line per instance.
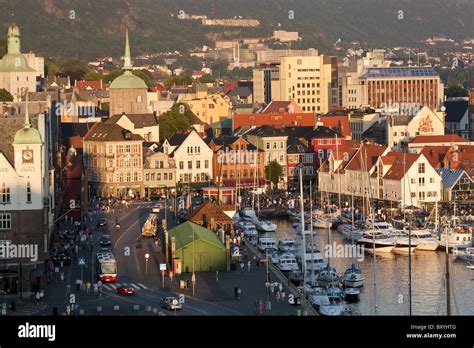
[170, 303]
[125, 290]
[102, 223]
[105, 241]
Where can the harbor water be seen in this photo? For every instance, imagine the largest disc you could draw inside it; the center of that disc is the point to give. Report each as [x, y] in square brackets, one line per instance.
[389, 278]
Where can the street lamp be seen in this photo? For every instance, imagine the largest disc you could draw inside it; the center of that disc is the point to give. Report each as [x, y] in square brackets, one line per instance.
[147, 256]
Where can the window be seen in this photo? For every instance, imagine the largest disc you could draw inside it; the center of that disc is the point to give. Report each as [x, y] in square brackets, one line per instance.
[413, 181]
[158, 176]
[281, 144]
[5, 221]
[190, 164]
[181, 165]
[165, 176]
[161, 164]
[206, 164]
[5, 196]
[139, 98]
[274, 145]
[170, 176]
[431, 180]
[421, 168]
[198, 164]
[28, 192]
[421, 181]
[413, 195]
[267, 145]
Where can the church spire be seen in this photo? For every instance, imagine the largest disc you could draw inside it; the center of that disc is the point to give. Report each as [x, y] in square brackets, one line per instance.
[27, 123]
[127, 64]
[13, 46]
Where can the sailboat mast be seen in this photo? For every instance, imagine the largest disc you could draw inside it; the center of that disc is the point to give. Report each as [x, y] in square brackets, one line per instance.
[312, 234]
[448, 285]
[302, 224]
[338, 177]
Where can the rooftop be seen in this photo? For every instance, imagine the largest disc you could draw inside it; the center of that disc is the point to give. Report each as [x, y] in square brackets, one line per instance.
[402, 71]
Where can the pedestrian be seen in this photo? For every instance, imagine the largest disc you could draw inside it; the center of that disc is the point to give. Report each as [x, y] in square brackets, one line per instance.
[62, 277]
[38, 298]
[280, 287]
[260, 306]
[242, 266]
[41, 294]
[78, 284]
[99, 285]
[283, 295]
[248, 265]
[68, 309]
[171, 276]
[272, 287]
[88, 287]
[278, 296]
[217, 276]
[68, 289]
[56, 273]
[96, 288]
[257, 262]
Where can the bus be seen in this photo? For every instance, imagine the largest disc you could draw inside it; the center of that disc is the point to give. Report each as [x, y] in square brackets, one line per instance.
[150, 227]
[106, 267]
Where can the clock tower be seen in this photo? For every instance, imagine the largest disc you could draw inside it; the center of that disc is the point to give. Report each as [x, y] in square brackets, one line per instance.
[28, 149]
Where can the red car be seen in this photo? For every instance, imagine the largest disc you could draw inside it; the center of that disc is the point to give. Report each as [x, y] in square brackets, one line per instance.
[125, 290]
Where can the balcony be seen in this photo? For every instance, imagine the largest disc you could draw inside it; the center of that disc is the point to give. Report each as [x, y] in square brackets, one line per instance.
[110, 169]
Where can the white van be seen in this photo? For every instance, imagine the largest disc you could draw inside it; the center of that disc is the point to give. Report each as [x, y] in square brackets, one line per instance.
[266, 243]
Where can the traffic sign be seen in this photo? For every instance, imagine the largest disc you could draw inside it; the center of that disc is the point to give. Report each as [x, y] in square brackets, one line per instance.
[81, 261]
[162, 266]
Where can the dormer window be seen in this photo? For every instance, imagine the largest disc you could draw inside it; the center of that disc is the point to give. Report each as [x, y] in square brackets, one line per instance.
[28, 192]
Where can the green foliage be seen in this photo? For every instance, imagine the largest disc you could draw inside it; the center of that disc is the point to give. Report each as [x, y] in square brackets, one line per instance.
[173, 81]
[92, 75]
[458, 77]
[52, 69]
[5, 96]
[273, 172]
[178, 119]
[455, 91]
[75, 68]
[112, 75]
[207, 79]
[3, 46]
[146, 76]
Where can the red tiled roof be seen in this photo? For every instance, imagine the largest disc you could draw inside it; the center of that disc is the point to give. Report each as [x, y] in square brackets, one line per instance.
[276, 120]
[402, 162]
[369, 153]
[336, 122]
[281, 107]
[95, 85]
[438, 139]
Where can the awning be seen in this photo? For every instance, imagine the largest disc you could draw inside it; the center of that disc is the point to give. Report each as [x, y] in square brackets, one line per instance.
[244, 182]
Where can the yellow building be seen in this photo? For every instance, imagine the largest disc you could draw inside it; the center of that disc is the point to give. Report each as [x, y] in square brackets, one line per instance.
[307, 81]
[211, 108]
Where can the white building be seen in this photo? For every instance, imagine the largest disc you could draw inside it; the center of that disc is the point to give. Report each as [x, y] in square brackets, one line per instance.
[145, 125]
[192, 156]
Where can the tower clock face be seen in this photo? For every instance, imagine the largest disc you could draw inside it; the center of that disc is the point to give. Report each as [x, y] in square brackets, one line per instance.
[27, 156]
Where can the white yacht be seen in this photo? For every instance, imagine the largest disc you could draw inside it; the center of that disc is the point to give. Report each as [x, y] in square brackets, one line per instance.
[265, 226]
[424, 240]
[266, 243]
[402, 241]
[456, 237]
[353, 277]
[318, 296]
[287, 244]
[327, 277]
[465, 254]
[248, 214]
[378, 240]
[350, 232]
[333, 307]
[287, 263]
[314, 261]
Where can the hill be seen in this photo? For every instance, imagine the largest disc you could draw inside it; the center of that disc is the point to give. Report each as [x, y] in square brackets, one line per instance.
[90, 28]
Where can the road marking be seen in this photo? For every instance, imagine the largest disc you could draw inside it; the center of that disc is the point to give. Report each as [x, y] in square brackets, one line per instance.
[142, 286]
[134, 286]
[126, 231]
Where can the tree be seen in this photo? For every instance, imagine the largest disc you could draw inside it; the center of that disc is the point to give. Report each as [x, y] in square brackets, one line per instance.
[3, 46]
[177, 81]
[146, 76]
[92, 75]
[112, 75]
[177, 119]
[74, 68]
[455, 91]
[5, 96]
[273, 172]
[52, 69]
[207, 79]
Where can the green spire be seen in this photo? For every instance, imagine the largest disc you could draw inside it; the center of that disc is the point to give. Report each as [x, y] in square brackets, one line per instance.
[127, 64]
[13, 39]
[27, 123]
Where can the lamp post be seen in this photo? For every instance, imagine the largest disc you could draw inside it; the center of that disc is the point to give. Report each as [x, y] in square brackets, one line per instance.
[147, 256]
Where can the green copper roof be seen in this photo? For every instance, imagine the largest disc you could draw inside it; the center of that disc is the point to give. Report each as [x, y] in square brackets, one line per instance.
[27, 134]
[184, 235]
[14, 61]
[127, 80]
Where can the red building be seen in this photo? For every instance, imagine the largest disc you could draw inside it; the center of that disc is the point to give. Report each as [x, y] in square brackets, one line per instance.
[325, 140]
[300, 156]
